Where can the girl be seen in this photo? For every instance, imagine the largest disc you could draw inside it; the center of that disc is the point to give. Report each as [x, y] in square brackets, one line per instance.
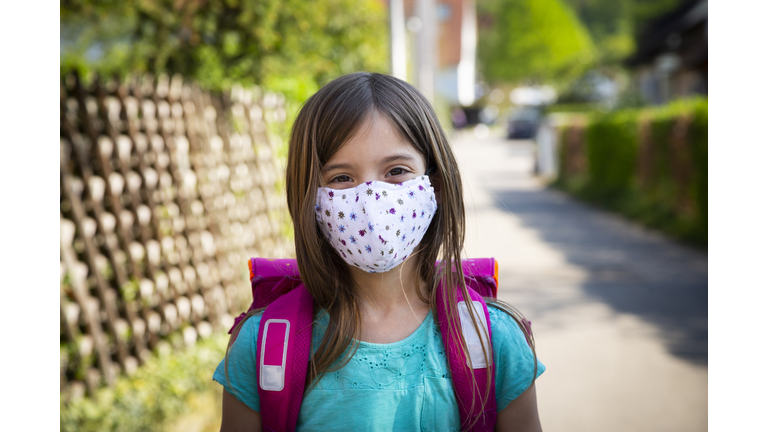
[378, 361]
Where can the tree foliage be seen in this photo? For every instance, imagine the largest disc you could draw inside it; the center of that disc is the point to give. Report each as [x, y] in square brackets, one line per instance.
[287, 45]
[610, 24]
[556, 40]
[536, 40]
[613, 24]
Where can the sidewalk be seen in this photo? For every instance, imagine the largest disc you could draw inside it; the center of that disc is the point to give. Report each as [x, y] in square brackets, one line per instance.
[619, 313]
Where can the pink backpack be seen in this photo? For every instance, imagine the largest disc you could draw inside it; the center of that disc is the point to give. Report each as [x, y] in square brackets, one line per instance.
[285, 336]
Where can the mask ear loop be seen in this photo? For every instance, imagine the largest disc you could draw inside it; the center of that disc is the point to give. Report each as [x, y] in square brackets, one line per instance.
[430, 170]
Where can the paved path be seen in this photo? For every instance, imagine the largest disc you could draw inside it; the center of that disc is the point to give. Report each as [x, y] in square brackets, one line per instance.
[619, 313]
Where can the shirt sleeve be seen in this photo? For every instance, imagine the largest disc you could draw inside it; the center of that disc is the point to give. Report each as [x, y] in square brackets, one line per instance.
[242, 366]
[513, 358]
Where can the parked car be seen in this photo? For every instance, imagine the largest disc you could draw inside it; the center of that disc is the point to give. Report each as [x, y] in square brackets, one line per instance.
[523, 122]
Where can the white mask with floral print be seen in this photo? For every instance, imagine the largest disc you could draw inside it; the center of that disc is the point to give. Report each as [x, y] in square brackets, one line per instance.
[376, 225]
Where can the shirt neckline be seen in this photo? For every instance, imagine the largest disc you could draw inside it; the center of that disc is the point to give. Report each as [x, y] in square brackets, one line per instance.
[407, 340]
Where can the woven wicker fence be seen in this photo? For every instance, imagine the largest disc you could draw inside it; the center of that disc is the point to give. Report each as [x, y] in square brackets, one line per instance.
[166, 190]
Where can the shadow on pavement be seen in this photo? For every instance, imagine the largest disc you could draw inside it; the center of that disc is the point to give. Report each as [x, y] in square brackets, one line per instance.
[630, 269]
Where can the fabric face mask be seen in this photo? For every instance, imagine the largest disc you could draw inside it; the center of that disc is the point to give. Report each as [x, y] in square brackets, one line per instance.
[376, 225]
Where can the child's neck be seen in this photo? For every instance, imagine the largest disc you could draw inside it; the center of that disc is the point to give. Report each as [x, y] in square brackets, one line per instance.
[389, 302]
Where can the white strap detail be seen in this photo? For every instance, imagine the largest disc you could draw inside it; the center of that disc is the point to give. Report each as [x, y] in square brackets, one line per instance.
[272, 377]
[474, 345]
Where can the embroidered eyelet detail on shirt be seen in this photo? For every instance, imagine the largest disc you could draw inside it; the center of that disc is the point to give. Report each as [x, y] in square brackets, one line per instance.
[398, 367]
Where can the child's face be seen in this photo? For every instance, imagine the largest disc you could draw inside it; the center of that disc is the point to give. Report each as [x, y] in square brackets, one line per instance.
[377, 152]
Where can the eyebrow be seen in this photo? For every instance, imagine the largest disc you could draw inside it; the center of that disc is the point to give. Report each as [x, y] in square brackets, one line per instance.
[388, 159]
[336, 166]
[397, 157]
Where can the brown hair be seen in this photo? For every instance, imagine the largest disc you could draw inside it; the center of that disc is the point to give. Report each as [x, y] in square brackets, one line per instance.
[327, 121]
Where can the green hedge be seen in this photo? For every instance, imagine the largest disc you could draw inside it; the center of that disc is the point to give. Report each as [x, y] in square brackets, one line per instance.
[649, 164]
[160, 393]
[612, 145]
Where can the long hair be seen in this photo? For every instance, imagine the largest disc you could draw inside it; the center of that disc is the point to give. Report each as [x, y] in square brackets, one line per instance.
[326, 122]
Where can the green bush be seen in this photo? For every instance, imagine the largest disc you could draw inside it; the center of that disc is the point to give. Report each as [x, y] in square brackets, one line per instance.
[699, 141]
[612, 143]
[672, 195]
[152, 399]
[680, 206]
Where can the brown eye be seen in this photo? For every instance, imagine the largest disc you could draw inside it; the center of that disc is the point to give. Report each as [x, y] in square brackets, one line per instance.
[397, 171]
[340, 179]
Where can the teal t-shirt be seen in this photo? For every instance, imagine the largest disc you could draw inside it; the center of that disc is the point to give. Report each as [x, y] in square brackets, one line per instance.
[404, 385]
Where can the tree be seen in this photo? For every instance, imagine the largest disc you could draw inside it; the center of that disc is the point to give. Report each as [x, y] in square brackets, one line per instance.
[286, 45]
[610, 24]
[532, 40]
[613, 24]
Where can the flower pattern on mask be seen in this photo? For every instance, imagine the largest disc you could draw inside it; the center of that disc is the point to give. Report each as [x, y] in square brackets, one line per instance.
[387, 228]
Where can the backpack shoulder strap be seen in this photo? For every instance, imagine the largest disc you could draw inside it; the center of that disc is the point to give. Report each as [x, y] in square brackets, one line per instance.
[465, 365]
[282, 352]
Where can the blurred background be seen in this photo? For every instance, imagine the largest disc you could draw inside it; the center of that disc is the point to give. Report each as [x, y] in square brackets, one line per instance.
[580, 127]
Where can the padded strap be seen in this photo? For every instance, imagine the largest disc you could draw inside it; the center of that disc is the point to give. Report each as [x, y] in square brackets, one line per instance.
[482, 274]
[463, 368]
[283, 349]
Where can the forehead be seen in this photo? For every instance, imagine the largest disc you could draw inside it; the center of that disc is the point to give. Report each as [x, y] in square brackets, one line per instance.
[375, 139]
